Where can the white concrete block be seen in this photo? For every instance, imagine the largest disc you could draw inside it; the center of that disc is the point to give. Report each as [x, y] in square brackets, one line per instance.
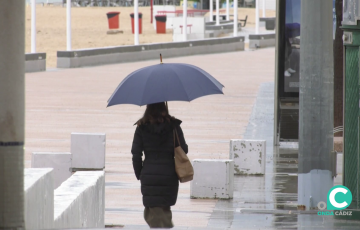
[80, 201]
[39, 198]
[248, 156]
[212, 179]
[88, 150]
[60, 162]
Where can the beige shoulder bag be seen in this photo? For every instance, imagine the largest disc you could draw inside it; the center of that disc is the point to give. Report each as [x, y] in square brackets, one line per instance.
[183, 166]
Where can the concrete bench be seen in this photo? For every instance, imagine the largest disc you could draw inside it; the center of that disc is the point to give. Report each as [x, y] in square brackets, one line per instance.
[88, 151]
[248, 156]
[226, 28]
[35, 62]
[221, 22]
[221, 17]
[213, 179]
[39, 198]
[80, 201]
[60, 162]
[262, 40]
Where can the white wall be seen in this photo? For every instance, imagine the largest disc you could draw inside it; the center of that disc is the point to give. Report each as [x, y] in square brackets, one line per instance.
[80, 201]
[270, 5]
[39, 198]
[197, 28]
[169, 17]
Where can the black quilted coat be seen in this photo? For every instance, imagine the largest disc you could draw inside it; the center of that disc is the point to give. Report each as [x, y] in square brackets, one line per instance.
[159, 181]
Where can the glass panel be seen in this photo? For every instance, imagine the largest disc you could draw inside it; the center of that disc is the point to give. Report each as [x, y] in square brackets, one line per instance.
[351, 12]
[292, 46]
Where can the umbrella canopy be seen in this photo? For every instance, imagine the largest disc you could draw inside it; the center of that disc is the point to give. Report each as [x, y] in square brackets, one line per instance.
[165, 82]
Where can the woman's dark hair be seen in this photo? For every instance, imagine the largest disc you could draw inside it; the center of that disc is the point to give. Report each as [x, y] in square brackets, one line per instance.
[155, 114]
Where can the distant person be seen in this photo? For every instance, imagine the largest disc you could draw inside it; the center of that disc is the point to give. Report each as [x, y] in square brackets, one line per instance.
[159, 181]
[292, 58]
[292, 54]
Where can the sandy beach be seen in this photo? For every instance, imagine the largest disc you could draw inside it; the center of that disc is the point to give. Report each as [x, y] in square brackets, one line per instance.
[89, 27]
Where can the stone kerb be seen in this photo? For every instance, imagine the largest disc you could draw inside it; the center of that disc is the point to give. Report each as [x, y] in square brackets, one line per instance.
[262, 40]
[39, 198]
[213, 179]
[121, 54]
[88, 151]
[80, 201]
[248, 156]
[60, 162]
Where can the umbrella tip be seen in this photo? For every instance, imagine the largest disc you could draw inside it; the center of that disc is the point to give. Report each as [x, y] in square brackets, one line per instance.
[161, 59]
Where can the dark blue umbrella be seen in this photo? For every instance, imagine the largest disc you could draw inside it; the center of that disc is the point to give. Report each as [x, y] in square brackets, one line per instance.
[165, 82]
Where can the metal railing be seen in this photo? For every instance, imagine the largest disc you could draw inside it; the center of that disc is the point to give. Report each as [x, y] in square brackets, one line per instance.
[107, 3]
[338, 129]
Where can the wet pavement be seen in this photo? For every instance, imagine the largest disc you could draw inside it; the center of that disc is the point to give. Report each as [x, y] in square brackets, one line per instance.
[78, 104]
[270, 201]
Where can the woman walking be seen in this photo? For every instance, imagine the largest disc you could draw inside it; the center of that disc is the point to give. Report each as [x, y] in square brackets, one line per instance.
[159, 181]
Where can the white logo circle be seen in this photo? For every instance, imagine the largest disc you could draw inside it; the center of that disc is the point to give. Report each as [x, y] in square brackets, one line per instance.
[332, 198]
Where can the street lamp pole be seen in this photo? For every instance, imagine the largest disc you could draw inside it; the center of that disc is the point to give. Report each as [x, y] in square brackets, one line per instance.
[68, 25]
[33, 26]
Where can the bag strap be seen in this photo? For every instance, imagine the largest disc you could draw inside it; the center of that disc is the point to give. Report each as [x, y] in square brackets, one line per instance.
[174, 136]
[177, 137]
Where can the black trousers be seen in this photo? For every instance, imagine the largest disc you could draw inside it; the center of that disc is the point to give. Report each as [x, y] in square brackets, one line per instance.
[158, 217]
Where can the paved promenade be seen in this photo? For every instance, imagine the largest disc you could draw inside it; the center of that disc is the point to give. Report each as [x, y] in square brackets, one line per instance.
[59, 102]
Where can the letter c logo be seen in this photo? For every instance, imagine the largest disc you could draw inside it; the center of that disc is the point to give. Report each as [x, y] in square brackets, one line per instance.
[332, 197]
